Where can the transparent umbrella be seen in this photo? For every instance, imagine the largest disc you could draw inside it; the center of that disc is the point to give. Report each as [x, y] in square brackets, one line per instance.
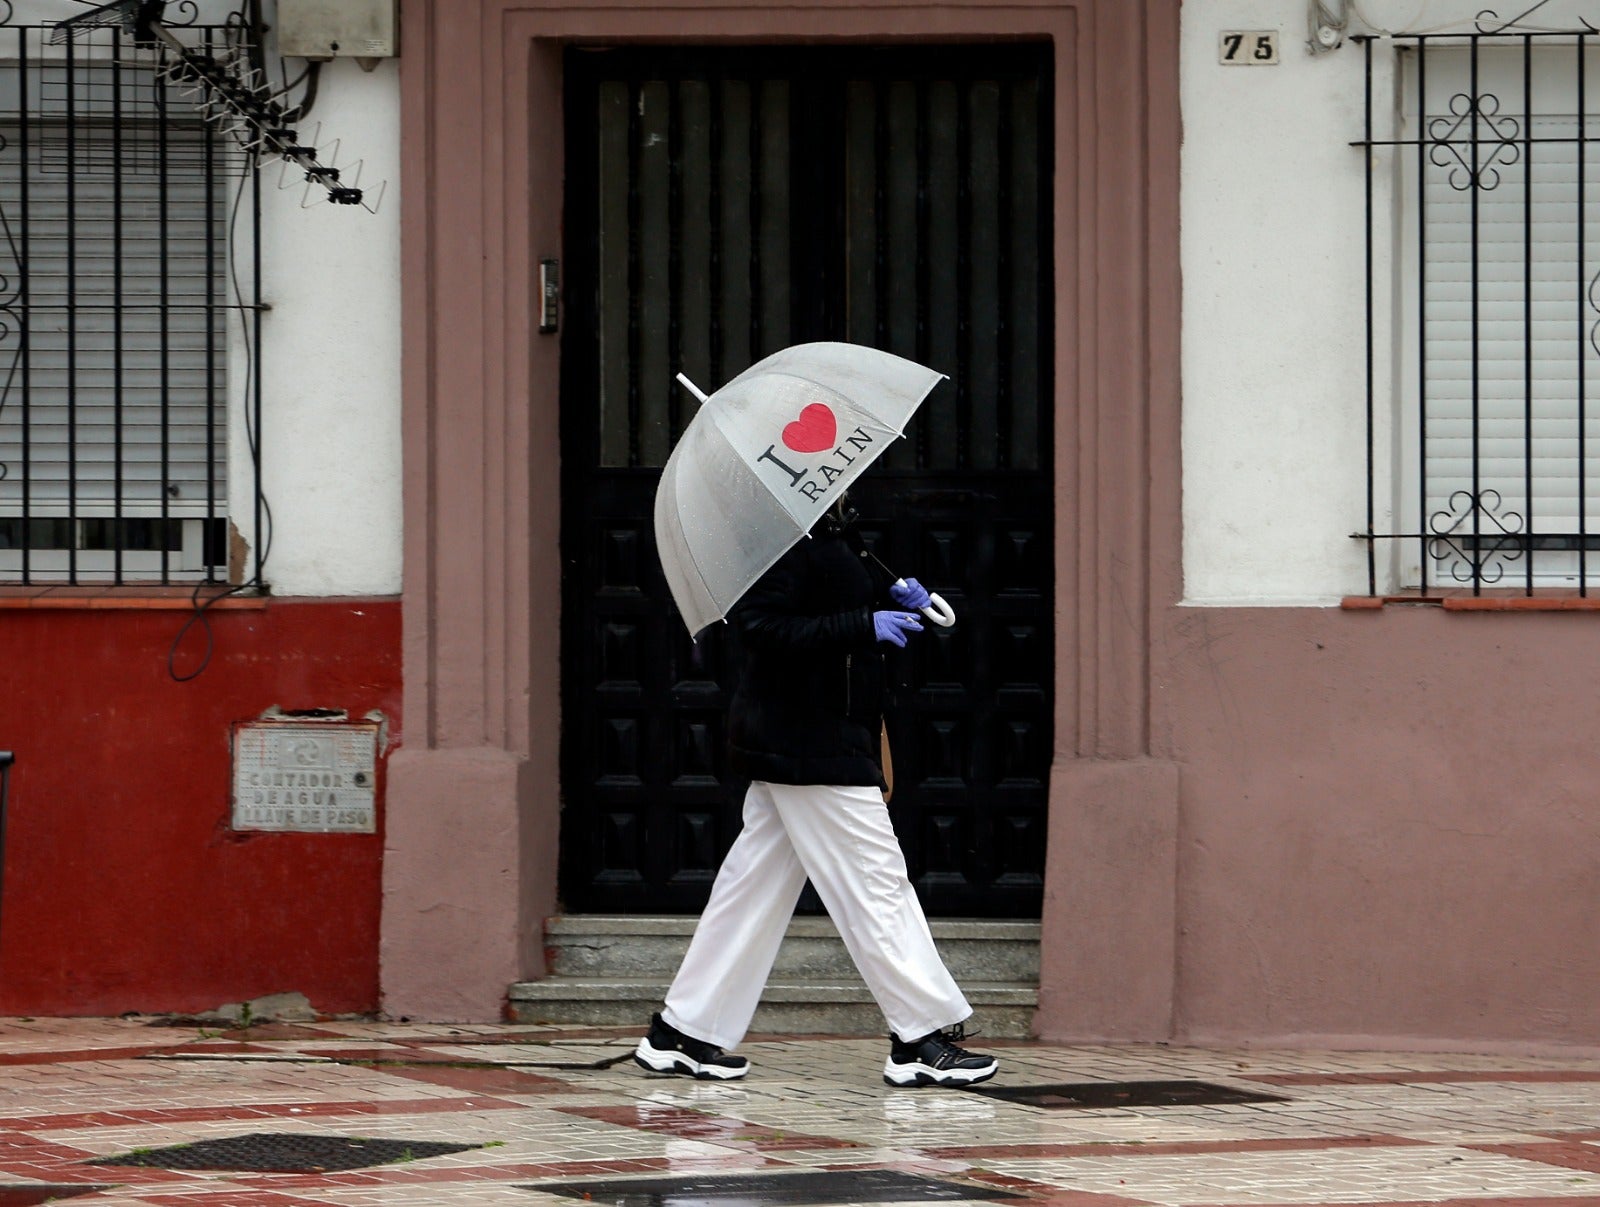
[765, 456]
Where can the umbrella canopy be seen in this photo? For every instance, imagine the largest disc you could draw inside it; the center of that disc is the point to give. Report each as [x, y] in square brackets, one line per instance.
[765, 456]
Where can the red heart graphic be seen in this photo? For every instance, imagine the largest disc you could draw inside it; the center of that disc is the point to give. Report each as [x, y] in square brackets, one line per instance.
[813, 431]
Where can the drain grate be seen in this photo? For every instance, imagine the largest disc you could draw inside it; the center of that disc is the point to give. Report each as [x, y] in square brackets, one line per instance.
[774, 1190]
[30, 1194]
[1103, 1095]
[279, 1152]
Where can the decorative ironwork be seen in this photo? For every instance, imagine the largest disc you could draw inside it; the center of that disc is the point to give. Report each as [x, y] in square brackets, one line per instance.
[1484, 17]
[1468, 112]
[1590, 294]
[1476, 556]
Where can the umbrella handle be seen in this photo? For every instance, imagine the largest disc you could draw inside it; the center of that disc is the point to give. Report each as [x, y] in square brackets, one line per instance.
[941, 613]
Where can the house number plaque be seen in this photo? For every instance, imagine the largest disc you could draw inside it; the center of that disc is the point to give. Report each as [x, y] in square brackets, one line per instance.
[312, 778]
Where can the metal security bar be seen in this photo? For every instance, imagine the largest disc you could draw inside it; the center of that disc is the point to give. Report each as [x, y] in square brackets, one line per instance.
[1483, 471]
[119, 297]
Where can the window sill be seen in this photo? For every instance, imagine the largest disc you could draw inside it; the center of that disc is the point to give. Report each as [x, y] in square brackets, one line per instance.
[1550, 600]
[130, 597]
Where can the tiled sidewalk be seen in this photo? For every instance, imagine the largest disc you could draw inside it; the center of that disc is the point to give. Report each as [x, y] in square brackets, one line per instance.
[543, 1107]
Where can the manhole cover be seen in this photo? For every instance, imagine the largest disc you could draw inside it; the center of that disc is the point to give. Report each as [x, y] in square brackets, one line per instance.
[268, 1152]
[1107, 1094]
[14, 1194]
[774, 1190]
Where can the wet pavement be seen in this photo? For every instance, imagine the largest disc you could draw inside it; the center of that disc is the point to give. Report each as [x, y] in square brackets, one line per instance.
[363, 1114]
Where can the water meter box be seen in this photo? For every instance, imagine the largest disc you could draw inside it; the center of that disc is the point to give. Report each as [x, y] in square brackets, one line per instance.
[317, 778]
[326, 29]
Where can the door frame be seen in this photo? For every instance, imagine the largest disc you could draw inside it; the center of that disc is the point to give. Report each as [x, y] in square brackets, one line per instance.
[472, 809]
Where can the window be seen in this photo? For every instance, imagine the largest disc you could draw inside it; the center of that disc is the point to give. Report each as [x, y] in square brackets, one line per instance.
[1485, 470]
[115, 204]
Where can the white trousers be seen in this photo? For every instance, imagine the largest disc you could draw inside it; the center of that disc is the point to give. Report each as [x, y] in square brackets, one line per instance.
[842, 839]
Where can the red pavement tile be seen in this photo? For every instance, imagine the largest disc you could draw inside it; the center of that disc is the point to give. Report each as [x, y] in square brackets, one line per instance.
[1056, 1197]
[234, 1198]
[486, 1080]
[684, 1124]
[49, 1173]
[1424, 1078]
[993, 1152]
[406, 1175]
[212, 1047]
[393, 1054]
[17, 1148]
[1568, 1154]
[32, 1196]
[282, 1031]
[285, 1110]
[121, 1174]
[74, 1056]
[1042, 1194]
[536, 1038]
[412, 1106]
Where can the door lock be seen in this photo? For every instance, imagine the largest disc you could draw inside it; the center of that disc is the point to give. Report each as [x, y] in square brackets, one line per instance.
[549, 295]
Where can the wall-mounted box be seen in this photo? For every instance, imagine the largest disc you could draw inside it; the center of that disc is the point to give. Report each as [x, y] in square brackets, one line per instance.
[317, 778]
[326, 29]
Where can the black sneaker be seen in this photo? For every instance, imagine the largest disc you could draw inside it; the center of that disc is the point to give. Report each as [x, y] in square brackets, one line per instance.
[935, 1060]
[668, 1050]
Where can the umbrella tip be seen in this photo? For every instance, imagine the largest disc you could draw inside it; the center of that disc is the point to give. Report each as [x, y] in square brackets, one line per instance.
[691, 387]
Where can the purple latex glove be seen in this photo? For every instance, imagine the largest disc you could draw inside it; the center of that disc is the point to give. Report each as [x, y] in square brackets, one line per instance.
[909, 593]
[893, 626]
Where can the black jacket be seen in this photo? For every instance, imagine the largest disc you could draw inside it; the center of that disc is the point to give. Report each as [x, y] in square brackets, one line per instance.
[809, 705]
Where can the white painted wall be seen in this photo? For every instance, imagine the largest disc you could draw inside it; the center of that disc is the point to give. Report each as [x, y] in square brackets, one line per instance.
[331, 355]
[1274, 286]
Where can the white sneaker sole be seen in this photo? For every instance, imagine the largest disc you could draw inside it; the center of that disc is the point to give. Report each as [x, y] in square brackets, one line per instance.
[665, 1060]
[921, 1074]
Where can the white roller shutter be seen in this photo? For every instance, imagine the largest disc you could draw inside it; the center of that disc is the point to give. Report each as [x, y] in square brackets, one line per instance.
[1525, 313]
[91, 363]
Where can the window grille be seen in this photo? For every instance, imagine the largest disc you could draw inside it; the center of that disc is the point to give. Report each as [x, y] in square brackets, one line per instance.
[118, 303]
[1484, 432]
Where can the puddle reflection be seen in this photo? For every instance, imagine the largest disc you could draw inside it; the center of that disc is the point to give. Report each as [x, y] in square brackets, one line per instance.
[913, 1109]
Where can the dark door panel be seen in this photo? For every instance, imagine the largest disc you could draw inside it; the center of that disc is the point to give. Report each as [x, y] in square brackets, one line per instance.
[722, 205]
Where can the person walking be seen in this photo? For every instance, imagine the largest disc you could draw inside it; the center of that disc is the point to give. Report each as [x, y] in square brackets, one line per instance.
[805, 726]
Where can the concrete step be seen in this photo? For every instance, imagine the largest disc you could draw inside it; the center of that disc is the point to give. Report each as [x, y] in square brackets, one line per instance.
[787, 1007]
[601, 945]
[613, 971]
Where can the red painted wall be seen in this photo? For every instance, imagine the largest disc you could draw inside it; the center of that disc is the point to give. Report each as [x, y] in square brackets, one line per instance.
[125, 889]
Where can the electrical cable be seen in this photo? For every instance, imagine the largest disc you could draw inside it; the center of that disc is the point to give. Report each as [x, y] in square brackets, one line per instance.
[199, 614]
[312, 75]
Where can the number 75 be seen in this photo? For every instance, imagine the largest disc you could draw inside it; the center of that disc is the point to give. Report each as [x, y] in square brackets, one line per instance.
[1247, 48]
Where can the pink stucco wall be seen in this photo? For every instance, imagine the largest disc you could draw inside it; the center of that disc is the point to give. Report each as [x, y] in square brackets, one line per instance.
[1388, 824]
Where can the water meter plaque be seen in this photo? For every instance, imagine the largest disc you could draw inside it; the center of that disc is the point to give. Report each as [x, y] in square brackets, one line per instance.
[317, 779]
